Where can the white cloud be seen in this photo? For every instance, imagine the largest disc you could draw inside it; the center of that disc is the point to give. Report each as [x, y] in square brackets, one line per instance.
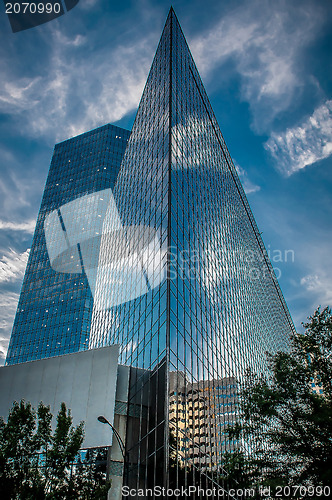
[12, 265]
[264, 41]
[88, 4]
[20, 185]
[19, 94]
[28, 226]
[75, 93]
[8, 305]
[61, 38]
[248, 186]
[305, 144]
[319, 285]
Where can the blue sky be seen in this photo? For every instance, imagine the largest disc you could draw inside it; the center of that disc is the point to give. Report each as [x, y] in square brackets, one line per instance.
[266, 66]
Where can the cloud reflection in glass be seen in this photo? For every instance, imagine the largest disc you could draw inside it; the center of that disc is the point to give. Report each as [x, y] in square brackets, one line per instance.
[121, 264]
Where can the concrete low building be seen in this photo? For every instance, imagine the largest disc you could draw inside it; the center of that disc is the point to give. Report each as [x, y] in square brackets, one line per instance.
[91, 383]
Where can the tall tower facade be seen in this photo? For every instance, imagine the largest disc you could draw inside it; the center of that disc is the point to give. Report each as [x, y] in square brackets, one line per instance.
[54, 311]
[196, 301]
[171, 267]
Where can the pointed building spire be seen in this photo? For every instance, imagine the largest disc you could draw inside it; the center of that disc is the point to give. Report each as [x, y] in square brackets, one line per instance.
[216, 307]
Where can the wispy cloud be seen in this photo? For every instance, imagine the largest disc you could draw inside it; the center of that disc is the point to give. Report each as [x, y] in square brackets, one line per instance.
[28, 226]
[16, 201]
[75, 93]
[72, 92]
[319, 285]
[8, 305]
[264, 41]
[248, 186]
[88, 4]
[12, 265]
[313, 285]
[298, 147]
[19, 94]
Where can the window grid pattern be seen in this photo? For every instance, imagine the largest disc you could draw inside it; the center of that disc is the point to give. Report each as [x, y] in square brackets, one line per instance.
[139, 326]
[218, 307]
[207, 304]
[54, 311]
[227, 308]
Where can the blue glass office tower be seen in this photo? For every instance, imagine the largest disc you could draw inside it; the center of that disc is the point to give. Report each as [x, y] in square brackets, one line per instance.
[180, 276]
[54, 311]
[196, 301]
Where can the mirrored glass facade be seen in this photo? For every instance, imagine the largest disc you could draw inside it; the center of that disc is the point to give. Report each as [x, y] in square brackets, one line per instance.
[199, 301]
[171, 267]
[54, 311]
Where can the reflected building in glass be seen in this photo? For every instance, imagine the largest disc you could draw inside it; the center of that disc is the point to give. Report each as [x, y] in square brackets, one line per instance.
[173, 269]
[194, 408]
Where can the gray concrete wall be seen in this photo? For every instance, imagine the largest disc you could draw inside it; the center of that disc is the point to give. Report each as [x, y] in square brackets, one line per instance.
[86, 381]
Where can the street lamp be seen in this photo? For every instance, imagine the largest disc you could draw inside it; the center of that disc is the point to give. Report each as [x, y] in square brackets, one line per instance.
[104, 420]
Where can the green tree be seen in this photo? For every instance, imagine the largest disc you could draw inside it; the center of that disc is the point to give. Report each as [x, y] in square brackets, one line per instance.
[17, 449]
[38, 464]
[285, 425]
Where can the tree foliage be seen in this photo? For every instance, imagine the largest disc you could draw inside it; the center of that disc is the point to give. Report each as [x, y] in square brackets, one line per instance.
[38, 464]
[284, 428]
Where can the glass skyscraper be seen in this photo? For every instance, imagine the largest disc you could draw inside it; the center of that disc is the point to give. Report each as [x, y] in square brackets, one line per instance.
[54, 311]
[175, 272]
[197, 301]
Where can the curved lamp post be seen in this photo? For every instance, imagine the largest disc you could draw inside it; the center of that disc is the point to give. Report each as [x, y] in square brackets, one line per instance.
[104, 420]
